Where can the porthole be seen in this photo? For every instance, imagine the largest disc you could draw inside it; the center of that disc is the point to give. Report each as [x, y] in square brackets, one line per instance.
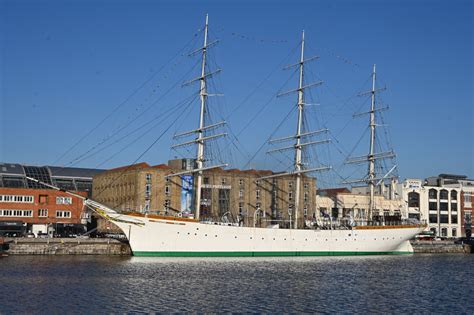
[235, 236]
[205, 234]
[306, 239]
[250, 237]
[263, 238]
[215, 235]
[195, 234]
[273, 238]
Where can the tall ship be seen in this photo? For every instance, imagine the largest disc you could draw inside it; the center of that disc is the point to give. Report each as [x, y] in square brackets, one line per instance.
[157, 235]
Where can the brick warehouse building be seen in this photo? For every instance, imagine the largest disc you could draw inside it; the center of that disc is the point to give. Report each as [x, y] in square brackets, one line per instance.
[26, 206]
[235, 194]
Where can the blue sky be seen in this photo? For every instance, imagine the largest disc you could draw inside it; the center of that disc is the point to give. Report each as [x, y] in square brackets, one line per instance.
[65, 65]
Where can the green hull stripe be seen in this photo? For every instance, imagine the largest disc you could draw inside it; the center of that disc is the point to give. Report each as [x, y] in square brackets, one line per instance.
[260, 254]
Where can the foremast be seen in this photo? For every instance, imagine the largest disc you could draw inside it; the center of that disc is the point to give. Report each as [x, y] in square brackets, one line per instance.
[201, 137]
[300, 133]
[200, 142]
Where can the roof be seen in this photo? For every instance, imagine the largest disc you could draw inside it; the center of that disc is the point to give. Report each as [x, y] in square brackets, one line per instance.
[131, 167]
[73, 172]
[333, 191]
[11, 169]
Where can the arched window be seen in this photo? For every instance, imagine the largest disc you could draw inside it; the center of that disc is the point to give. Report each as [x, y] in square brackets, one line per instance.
[443, 194]
[454, 195]
[414, 199]
[433, 194]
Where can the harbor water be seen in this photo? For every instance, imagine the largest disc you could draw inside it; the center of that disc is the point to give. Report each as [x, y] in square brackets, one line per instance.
[359, 284]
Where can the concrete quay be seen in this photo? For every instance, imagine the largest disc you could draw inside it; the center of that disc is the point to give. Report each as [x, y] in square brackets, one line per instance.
[66, 246]
[440, 247]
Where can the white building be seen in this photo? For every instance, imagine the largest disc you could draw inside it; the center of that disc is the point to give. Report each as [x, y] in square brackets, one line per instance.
[435, 201]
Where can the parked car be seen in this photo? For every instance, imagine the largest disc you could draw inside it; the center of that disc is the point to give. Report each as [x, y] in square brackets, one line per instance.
[30, 235]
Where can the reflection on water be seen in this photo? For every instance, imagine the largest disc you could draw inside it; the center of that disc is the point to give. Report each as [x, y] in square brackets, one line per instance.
[375, 284]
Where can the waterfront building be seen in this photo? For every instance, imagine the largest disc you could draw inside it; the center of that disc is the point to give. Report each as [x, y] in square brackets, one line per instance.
[233, 195]
[344, 203]
[437, 200]
[27, 206]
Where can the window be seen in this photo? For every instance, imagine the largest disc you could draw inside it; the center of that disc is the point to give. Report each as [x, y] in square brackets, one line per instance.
[147, 189]
[290, 184]
[241, 194]
[444, 232]
[63, 214]
[443, 194]
[386, 212]
[467, 198]
[454, 207]
[167, 179]
[63, 200]
[335, 212]
[443, 206]
[433, 206]
[305, 196]
[443, 218]
[148, 177]
[414, 199]
[223, 181]
[167, 205]
[454, 232]
[433, 218]
[258, 205]
[433, 194]
[241, 182]
[241, 208]
[167, 190]
[19, 199]
[323, 212]
[305, 211]
[257, 193]
[257, 182]
[454, 195]
[42, 213]
[306, 185]
[454, 219]
[16, 213]
[290, 195]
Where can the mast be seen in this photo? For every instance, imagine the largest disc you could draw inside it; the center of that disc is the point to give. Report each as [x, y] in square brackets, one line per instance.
[371, 173]
[200, 142]
[201, 132]
[372, 156]
[301, 136]
[298, 134]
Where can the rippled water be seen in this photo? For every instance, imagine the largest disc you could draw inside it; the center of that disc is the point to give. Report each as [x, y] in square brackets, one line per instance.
[376, 284]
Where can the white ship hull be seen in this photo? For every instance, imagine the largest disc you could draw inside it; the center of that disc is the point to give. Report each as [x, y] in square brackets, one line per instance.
[163, 237]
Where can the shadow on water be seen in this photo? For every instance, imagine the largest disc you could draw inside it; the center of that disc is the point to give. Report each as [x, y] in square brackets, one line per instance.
[375, 284]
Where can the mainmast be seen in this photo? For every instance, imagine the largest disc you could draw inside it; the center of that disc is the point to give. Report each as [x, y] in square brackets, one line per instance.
[371, 173]
[300, 134]
[200, 132]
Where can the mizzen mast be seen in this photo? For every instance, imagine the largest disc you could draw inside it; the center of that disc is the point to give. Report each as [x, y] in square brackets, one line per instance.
[371, 179]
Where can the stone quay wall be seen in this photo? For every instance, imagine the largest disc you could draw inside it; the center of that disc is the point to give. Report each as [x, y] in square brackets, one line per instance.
[440, 247]
[66, 246]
